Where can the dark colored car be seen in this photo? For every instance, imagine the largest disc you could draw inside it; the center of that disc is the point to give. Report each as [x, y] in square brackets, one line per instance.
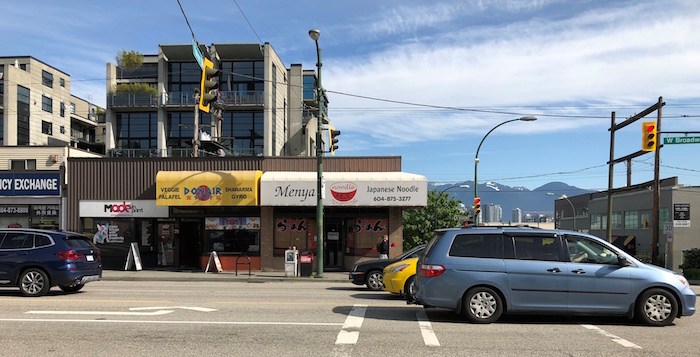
[371, 272]
[36, 260]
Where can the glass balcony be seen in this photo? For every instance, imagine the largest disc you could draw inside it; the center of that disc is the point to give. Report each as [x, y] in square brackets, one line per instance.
[250, 97]
[182, 152]
[141, 100]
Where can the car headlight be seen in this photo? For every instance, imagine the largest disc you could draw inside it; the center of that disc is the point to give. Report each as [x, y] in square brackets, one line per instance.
[683, 280]
[399, 268]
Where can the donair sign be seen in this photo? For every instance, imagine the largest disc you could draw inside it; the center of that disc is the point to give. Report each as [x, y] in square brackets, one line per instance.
[30, 184]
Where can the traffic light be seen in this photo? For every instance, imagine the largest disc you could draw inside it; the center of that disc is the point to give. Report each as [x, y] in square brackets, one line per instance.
[477, 207]
[208, 85]
[649, 137]
[334, 139]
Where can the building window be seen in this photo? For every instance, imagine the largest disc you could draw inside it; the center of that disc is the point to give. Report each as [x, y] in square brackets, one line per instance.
[46, 128]
[599, 221]
[644, 219]
[62, 82]
[23, 66]
[137, 131]
[632, 219]
[63, 109]
[72, 108]
[616, 220]
[23, 165]
[23, 95]
[47, 79]
[46, 104]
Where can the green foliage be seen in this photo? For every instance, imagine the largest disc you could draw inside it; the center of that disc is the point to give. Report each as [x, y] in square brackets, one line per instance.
[129, 59]
[135, 88]
[691, 259]
[442, 211]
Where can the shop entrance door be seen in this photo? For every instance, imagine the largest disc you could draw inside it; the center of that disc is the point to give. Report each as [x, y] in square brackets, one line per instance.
[334, 243]
[189, 243]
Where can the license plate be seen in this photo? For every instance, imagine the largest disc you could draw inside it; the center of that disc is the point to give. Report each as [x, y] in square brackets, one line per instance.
[90, 258]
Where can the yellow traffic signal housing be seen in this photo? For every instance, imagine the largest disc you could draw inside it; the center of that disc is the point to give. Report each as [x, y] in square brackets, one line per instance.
[477, 206]
[208, 85]
[649, 136]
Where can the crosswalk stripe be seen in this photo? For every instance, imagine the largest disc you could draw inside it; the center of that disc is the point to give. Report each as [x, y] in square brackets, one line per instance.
[426, 329]
[351, 328]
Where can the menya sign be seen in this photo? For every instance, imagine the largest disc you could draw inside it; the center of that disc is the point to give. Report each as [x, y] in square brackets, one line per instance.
[133, 208]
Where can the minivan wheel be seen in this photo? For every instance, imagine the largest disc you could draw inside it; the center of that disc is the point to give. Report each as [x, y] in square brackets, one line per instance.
[374, 280]
[657, 307]
[34, 282]
[482, 305]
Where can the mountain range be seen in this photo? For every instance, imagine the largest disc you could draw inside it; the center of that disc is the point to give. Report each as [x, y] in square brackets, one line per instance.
[537, 201]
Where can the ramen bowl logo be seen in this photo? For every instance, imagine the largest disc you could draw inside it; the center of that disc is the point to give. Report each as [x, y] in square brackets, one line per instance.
[343, 192]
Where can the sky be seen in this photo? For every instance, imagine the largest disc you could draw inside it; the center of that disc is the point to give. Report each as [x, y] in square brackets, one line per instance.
[427, 80]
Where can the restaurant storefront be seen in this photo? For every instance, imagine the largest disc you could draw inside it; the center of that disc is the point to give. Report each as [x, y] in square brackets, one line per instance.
[244, 209]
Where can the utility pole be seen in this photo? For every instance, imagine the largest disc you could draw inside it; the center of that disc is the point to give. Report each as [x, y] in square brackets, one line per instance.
[195, 140]
[657, 190]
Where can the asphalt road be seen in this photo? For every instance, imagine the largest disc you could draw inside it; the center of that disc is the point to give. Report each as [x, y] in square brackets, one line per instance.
[277, 318]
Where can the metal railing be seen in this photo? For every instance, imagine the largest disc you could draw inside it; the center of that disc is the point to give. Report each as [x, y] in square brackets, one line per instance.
[242, 97]
[179, 152]
[132, 100]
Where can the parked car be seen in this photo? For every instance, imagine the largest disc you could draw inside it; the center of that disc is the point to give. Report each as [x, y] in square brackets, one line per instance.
[484, 272]
[36, 260]
[370, 272]
[399, 278]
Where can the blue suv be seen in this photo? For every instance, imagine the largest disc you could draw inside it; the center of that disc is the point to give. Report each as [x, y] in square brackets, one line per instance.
[484, 272]
[35, 260]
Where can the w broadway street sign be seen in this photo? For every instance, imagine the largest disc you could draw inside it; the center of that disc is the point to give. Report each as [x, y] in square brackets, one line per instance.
[683, 140]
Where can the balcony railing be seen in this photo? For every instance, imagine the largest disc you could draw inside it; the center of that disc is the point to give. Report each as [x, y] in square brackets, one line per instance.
[132, 100]
[242, 97]
[180, 152]
[180, 99]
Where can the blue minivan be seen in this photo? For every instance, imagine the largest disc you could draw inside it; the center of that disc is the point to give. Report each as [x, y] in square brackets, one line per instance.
[484, 272]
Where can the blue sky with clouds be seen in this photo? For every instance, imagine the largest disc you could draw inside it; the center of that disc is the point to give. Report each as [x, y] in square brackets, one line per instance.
[427, 80]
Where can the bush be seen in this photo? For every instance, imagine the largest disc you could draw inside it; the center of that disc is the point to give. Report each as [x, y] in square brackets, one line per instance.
[691, 259]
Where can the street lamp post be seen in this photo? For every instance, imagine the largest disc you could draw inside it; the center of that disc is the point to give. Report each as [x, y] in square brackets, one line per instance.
[435, 219]
[573, 210]
[476, 157]
[315, 34]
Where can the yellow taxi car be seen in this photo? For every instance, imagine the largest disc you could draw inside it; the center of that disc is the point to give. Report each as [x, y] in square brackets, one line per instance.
[399, 277]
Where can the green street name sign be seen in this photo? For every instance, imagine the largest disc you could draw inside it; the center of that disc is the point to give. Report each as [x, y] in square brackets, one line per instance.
[683, 140]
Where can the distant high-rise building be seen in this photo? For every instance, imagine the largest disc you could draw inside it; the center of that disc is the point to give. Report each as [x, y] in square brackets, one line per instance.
[493, 213]
[517, 215]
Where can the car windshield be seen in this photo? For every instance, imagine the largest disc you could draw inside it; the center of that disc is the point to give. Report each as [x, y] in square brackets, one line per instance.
[415, 252]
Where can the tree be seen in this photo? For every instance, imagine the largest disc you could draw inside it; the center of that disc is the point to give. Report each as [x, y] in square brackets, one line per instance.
[128, 60]
[442, 211]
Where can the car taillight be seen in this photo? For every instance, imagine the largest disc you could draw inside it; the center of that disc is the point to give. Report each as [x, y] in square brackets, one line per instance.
[431, 270]
[70, 255]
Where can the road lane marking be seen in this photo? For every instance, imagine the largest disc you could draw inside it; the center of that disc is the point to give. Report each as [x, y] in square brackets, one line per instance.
[111, 313]
[616, 339]
[167, 322]
[193, 308]
[351, 328]
[426, 329]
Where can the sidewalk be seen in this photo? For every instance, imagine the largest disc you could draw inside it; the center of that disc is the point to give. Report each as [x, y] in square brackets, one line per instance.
[196, 275]
[256, 276]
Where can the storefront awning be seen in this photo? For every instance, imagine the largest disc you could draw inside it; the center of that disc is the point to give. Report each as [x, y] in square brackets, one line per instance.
[207, 188]
[285, 188]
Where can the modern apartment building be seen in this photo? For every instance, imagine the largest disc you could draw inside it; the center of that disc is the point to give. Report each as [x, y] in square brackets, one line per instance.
[265, 106]
[41, 124]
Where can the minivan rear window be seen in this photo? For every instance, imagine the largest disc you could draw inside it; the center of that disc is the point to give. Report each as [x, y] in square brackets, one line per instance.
[431, 244]
[477, 246]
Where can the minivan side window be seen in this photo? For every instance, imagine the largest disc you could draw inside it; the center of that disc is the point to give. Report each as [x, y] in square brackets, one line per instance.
[477, 246]
[584, 250]
[537, 248]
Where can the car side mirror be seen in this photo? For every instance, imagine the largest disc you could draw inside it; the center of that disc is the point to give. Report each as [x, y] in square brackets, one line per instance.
[623, 262]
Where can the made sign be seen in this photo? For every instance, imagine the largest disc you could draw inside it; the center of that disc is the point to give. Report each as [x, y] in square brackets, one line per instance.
[683, 140]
